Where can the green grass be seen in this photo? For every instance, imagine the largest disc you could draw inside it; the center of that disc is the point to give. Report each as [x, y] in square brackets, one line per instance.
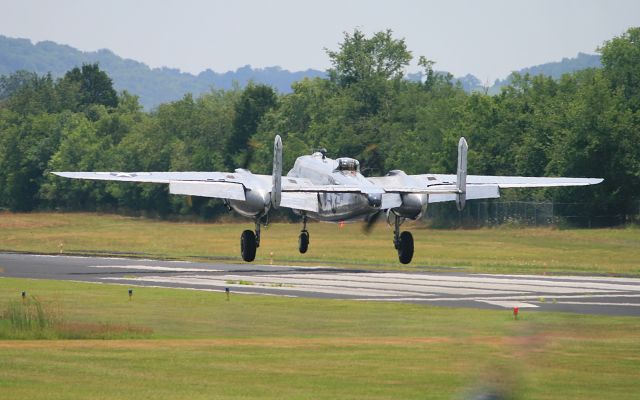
[200, 346]
[498, 250]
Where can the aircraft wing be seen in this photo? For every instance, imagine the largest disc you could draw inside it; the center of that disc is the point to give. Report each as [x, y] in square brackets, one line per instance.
[443, 187]
[297, 193]
[505, 182]
[152, 177]
[223, 185]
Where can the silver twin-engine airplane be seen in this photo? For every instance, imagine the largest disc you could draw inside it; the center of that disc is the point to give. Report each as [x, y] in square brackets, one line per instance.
[320, 188]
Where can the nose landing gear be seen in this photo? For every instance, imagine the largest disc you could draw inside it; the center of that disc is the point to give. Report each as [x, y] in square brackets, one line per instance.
[303, 239]
[403, 242]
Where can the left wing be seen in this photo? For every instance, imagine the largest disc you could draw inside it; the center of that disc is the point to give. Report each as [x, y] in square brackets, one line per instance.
[296, 193]
[223, 185]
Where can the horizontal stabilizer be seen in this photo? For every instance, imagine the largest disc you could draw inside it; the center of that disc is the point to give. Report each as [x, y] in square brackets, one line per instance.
[321, 189]
[473, 192]
[219, 190]
[300, 201]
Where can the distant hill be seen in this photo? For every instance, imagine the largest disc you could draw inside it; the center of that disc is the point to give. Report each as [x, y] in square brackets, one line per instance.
[155, 86]
[554, 69]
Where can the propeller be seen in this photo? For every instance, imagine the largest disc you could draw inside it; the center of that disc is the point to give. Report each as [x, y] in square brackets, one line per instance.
[369, 221]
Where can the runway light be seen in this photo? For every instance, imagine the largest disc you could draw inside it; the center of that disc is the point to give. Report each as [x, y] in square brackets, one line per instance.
[515, 312]
[226, 290]
[130, 294]
[24, 296]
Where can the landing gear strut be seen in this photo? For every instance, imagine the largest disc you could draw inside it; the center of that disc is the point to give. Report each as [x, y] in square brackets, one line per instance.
[249, 242]
[403, 242]
[303, 239]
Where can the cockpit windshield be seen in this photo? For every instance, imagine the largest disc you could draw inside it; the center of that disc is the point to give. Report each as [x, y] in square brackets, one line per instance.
[348, 165]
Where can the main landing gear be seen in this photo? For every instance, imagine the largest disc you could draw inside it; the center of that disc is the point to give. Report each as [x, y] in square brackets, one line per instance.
[303, 239]
[249, 242]
[403, 242]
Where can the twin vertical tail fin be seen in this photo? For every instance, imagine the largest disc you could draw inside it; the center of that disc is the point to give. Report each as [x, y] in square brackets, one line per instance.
[461, 179]
[276, 176]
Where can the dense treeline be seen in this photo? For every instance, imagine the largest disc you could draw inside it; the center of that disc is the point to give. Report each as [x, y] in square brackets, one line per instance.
[585, 124]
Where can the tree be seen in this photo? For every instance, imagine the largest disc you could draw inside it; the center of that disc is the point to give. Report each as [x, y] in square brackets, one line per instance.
[95, 86]
[254, 102]
[360, 59]
[621, 62]
[13, 83]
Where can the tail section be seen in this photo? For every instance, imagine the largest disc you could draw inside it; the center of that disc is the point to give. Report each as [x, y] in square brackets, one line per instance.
[461, 180]
[276, 188]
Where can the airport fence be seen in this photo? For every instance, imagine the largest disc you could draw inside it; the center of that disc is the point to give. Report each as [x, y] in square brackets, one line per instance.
[527, 213]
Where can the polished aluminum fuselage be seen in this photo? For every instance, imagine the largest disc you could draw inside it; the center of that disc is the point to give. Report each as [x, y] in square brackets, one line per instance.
[332, 206]
[321, 170]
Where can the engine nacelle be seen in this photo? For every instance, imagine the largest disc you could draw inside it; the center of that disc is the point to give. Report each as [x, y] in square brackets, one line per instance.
[256, 205]
[413, 204]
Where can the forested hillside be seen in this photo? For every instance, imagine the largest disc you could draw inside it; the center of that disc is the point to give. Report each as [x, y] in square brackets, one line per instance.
[153, 86]
[161, 85]
[586, 123]
[553, 69]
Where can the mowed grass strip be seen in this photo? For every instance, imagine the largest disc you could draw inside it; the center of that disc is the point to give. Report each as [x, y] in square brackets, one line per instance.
[498, 250]
[202, 347]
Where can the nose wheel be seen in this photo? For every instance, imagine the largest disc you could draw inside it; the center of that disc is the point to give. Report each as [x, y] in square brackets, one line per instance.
[249, 243]
[303, 239]
[403, 242]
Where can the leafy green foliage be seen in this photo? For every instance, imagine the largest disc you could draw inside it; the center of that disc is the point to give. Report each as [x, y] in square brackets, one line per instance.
[93, 86]
[586, 123]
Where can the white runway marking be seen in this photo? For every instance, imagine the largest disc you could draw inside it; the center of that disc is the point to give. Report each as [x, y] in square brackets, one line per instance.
[596, 303]
[155, 268]
[505, 291]
[585, 294]
[509, 304]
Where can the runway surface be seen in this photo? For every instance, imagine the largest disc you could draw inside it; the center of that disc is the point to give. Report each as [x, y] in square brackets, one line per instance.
[580, 294]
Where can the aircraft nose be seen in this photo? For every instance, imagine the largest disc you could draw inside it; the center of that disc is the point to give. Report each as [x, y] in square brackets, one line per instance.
[375, 200]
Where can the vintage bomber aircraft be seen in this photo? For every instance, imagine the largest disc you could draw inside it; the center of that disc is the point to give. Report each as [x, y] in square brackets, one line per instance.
[333, 190]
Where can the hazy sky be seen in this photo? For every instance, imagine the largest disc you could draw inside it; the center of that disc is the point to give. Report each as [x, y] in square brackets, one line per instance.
[486, 38]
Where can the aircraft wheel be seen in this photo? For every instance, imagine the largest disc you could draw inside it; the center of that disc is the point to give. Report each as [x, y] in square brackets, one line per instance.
[405, 247]
[248, 245]
[303, 242]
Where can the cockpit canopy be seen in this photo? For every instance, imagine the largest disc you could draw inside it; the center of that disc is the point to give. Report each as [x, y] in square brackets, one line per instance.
[348, 165]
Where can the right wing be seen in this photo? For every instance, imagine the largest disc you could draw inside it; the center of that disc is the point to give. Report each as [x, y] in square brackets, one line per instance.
[467, 187]
[512, 181]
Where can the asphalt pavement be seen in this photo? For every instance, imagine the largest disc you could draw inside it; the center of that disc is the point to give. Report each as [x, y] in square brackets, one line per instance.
[578, 294]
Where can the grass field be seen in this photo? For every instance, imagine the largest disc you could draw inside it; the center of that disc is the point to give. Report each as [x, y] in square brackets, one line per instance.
[197, 345]
[499, 250]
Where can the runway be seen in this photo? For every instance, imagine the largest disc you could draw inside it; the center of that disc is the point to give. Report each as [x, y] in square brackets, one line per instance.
[579, 294]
